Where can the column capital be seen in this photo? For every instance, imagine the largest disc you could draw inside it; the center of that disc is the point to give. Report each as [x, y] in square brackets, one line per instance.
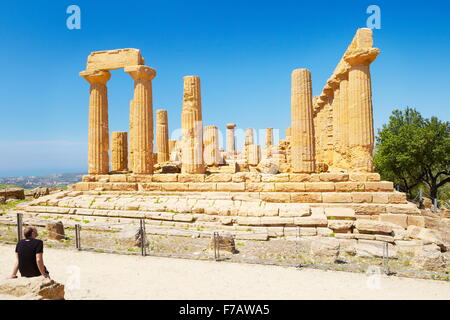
[96, 76]
[140, 72]
[361, 56]
[231, 125]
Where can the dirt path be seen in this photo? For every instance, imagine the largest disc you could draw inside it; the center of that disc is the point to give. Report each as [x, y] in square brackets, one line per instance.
[109, 276]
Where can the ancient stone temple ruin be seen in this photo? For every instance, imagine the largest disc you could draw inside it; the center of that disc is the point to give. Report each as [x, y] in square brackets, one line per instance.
[319, 178]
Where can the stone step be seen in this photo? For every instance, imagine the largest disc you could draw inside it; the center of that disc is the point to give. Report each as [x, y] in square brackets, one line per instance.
[262, 187]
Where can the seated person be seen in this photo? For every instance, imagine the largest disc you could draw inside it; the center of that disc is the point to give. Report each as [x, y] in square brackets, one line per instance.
[29, 256]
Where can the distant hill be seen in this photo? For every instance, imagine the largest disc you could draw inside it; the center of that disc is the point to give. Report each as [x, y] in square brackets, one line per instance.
[49, 180]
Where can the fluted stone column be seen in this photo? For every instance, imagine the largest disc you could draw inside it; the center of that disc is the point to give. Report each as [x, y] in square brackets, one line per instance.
[98, 135]
[191, 126]
[343, 120]
[162, 136]
[249, 140]
[269, 142]
[142, 119]
[119, 151]
[302, 127]
[172, 144]
[231, 141]
[361, 136]
[211, 146]
[254, 154]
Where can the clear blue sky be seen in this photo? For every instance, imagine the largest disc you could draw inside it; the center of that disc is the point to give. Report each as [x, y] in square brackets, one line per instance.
[244, 52]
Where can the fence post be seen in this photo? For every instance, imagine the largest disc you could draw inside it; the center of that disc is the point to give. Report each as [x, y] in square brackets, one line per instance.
[216, 246]
[143, 235]
[77, 237]
[435, 203]
[386, 258]
[19, 226]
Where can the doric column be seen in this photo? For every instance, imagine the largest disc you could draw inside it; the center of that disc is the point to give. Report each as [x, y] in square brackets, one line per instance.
[288, 133]
[249, 140]
[302, 127]
[361, 135]
[269, 142]
[172, 144]
[231, 142]
[162, 136]
[254, 152]
[98, 137]
[211, 146]
[191, 126]
[343, 120]
[141, 113]
[119, 151]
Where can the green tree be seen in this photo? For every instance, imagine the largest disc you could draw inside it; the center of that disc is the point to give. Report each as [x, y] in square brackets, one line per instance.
[411, 151]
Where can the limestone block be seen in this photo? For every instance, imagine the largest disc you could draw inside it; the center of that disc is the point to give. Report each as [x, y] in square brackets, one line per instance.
[290, 187]
[379, 186]
[426, 235]
[340, 213]
[384, 238]
[282, 177]
[302, 177]
[165, 178]
[313, 220]
[333, 177]
[361, 197]
[114, 59]
[373, 226]
[275, 196]
[268, 166]
[247, 221]
[219, 177]
[336, 197]
[202, 187]
[380, 197]
[319, 186]
[294, 210]
[306, 197]
[118, 178]
[191, 178]
[340, 225]
[55, 230]
[183, 217]
[284, 221]
[230, 186]
[150, 186]
[418, 221]
[174, 186]
[409, 208]
[259, 187]
[398, 219]
[324, 231]
[349, 186]
[35, 288]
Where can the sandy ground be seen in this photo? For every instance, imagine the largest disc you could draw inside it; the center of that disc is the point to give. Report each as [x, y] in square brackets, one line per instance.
[110, 276]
